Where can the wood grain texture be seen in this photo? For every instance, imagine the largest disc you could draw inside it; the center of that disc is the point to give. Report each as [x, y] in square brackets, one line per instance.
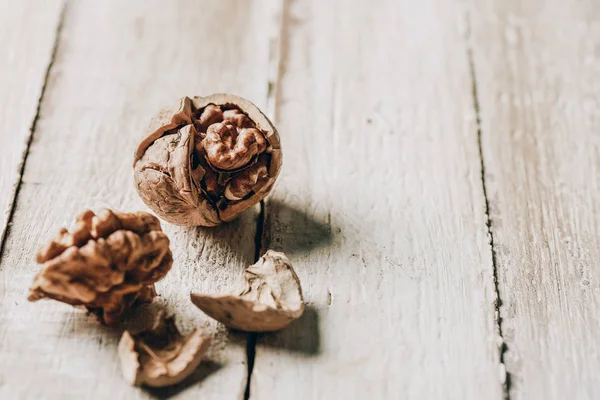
[537, 66]
[118, 63]
[380, 208]
[27, 33]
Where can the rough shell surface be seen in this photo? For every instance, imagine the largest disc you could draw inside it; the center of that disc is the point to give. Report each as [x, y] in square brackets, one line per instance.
[206, 160]
[107, 263]
[161, 356]
[270, 297]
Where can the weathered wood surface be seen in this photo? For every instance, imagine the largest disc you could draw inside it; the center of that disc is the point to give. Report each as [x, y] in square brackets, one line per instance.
[380, 207]
[116, 64]
[537, 67]
[27, 31]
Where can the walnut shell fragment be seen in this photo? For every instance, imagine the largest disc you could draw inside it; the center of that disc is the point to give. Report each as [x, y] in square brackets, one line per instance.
[206, 160]
[107, 263]
[161, 356]
[271, 297]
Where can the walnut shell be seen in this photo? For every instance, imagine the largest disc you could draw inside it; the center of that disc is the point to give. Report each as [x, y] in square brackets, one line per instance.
[161, 356]
[109, 262]
[206, 160]
[271, 297]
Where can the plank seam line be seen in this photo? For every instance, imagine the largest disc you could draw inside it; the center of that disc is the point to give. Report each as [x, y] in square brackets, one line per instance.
[261, 241]
[251, 337]
[36, 116]
[498, 301]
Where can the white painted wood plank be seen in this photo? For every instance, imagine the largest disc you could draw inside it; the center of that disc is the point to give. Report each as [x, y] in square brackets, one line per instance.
[27, 32]
[381, 209]
[118, 63]
[538, 72]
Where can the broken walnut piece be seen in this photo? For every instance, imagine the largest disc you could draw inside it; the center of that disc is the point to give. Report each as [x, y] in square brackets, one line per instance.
[271, 297]
[107, 263]
[161, 356]
[207, 160]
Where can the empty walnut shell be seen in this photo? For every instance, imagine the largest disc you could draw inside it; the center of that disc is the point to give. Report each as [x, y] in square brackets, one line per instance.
[207, 160]
[161, 356]
[271, 297]
[109, 262]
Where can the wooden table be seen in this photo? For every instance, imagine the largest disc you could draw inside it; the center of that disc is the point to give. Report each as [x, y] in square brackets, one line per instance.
[440, 196]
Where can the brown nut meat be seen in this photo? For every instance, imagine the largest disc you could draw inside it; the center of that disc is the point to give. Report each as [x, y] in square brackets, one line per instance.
[109, 262]
[161, 356]
[271, 297]
[207, 160]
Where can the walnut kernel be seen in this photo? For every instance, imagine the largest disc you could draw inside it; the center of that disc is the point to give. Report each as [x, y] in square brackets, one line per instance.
[109, 262]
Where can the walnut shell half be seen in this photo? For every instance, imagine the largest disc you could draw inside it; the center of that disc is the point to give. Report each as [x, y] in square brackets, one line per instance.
[109, 262]
[161, 356]
[271, 297]
[206, 160]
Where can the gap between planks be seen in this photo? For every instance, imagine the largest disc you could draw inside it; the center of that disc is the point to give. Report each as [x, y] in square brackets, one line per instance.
[277, 57]
[502, 347]
[36, 116]
[251, 337]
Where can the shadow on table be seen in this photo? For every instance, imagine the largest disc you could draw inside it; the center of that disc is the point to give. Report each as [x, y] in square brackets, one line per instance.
[286, 228]
[205, 369]
[301, 336]
[78, 322]
[294, 231]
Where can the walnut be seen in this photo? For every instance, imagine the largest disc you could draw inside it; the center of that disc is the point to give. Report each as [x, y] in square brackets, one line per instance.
[109, 262]
[161, 356]
[206, 160]
[270, 298]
